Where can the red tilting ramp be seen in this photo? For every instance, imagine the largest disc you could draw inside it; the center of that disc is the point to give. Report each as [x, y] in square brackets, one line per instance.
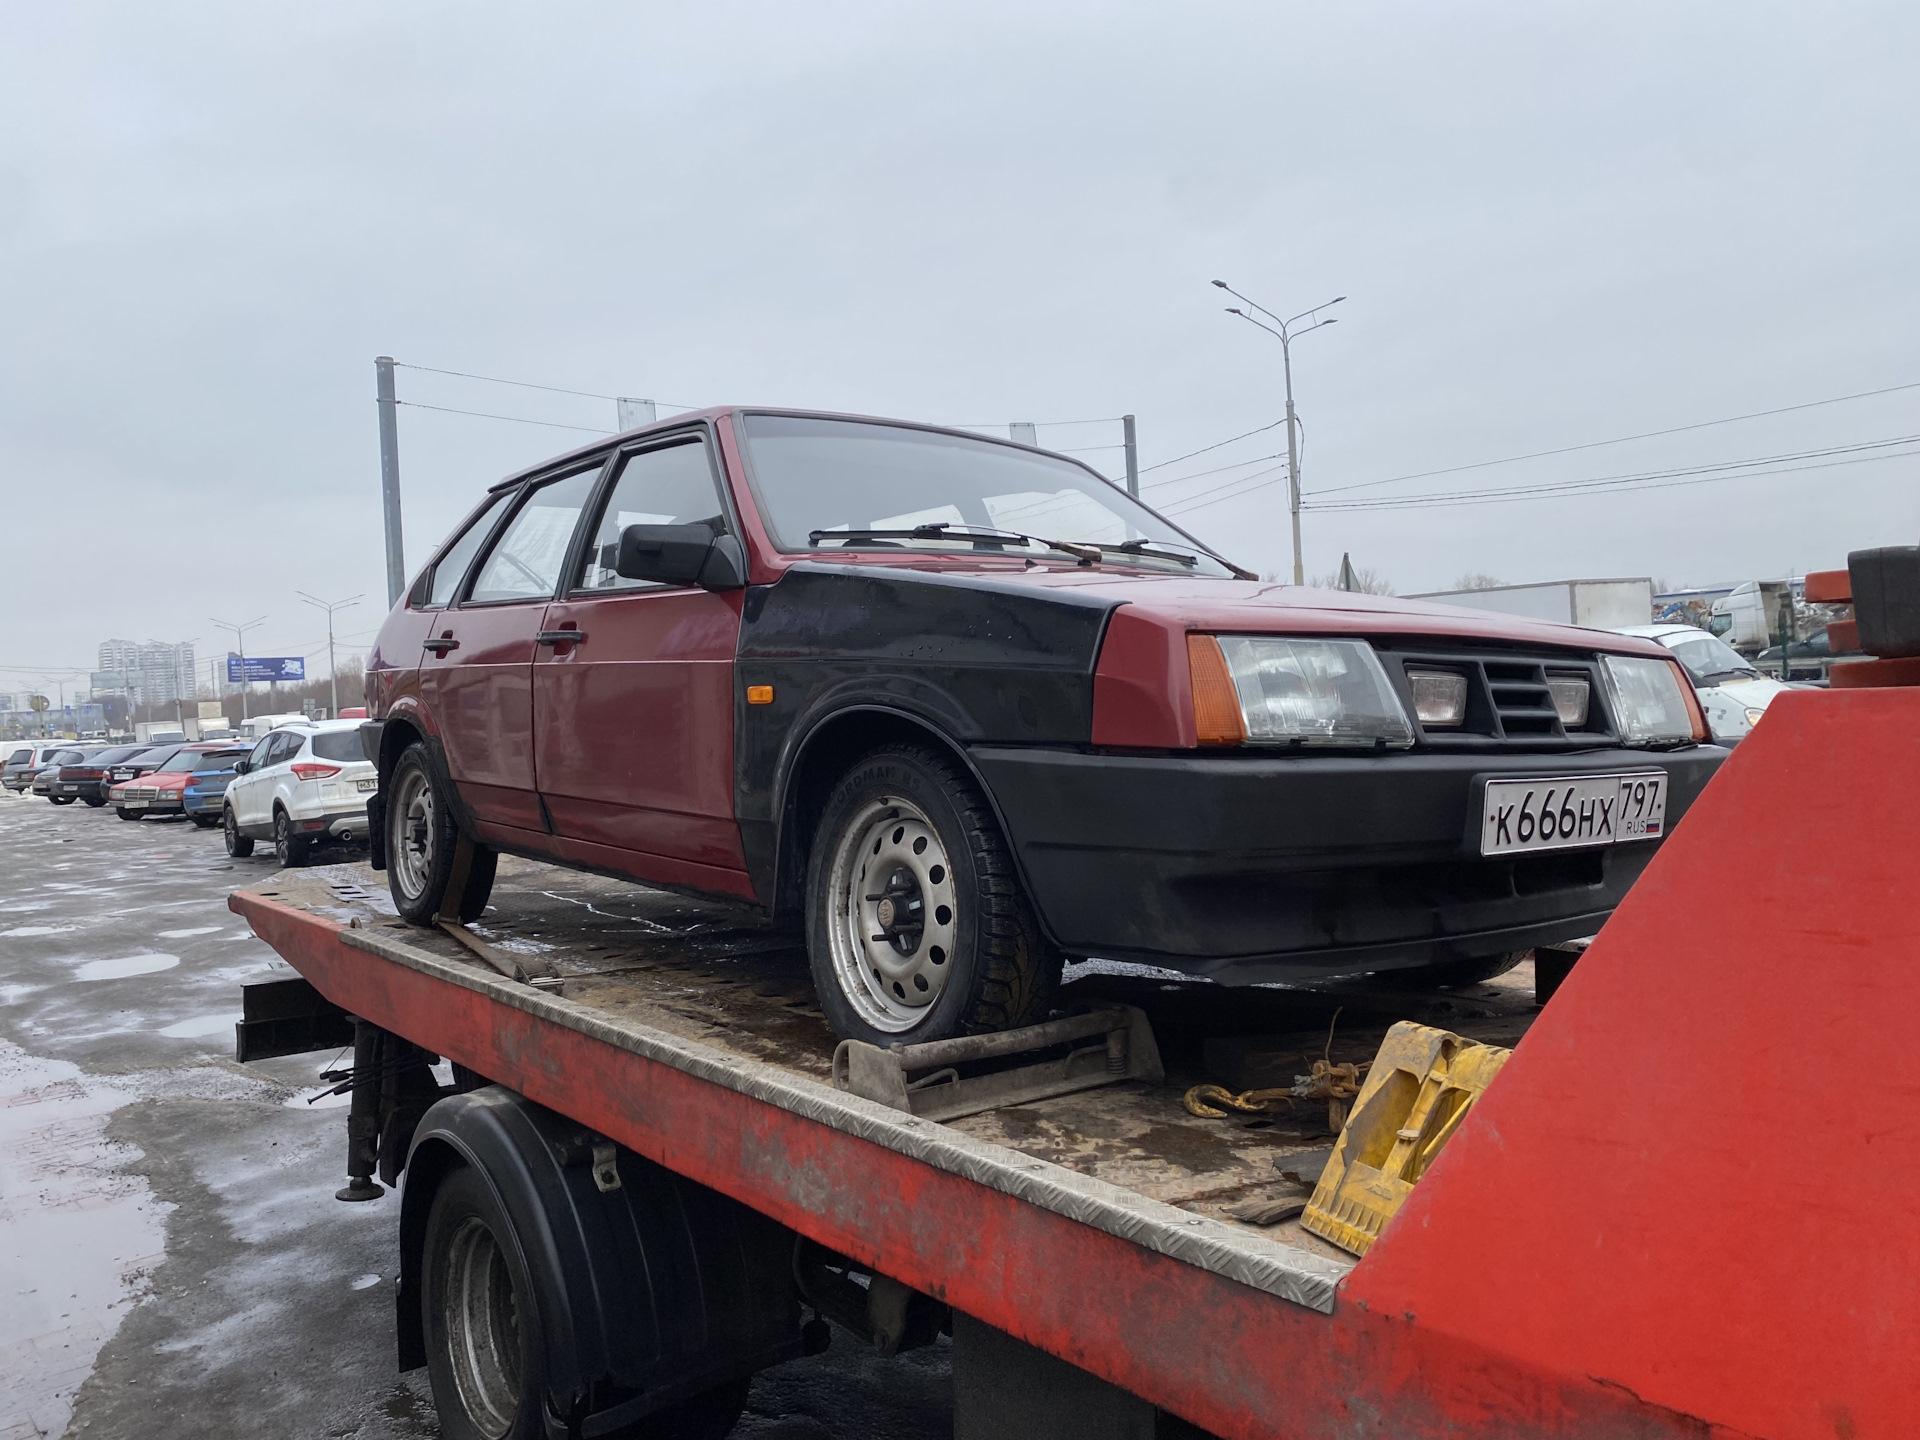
[1697, 1183]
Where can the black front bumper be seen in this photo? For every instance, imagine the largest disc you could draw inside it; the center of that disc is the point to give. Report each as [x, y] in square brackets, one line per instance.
[1248, 868]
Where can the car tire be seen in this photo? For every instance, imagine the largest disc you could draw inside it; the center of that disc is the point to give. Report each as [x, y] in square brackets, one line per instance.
[291, 850]
[94, 802]
[422, 837]
[918, 927]
[126, 814]
[238, 846]
[204, 822]
[62, 799]
[1449, 974]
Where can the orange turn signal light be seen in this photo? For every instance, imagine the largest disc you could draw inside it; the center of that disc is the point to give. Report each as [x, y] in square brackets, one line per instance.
[759, 694]
[1216, 704]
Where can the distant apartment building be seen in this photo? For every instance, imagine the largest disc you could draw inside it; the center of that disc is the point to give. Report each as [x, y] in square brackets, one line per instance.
[152, 672]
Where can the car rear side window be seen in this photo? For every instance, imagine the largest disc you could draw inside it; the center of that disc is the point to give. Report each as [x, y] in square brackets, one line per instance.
[338, 745]
[20, 757]
[452, 567]
[223, 760]
[525, 562]
[669, 486]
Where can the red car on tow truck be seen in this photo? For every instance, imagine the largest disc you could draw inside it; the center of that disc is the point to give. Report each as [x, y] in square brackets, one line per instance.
[961, 708]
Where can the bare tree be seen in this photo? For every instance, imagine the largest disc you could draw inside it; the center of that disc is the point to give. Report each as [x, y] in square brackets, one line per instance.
[1367, 581]
[1474, 580]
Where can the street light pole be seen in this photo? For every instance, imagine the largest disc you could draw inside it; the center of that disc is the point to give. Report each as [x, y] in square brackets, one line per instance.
[1283, 331]
[240, 643]
[333, 675]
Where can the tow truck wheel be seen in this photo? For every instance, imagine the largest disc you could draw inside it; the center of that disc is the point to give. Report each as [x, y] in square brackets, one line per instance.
[289, 849]
[486, 1339]
[917, 925]
[238, 846]
[422, 840]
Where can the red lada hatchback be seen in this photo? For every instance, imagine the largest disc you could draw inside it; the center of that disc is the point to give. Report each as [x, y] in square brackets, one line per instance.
[961, 708]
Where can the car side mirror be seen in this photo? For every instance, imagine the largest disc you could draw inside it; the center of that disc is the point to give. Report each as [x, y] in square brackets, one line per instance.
[242, 766]
[681, 555]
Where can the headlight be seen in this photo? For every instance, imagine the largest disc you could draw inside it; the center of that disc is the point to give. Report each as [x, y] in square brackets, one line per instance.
[1268, 690]
[1651, 701]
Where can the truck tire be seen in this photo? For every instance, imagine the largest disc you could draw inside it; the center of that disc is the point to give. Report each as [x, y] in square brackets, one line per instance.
[485, 1336]
[917, 925]
[289, 849]
[422, 836]
[238, 846]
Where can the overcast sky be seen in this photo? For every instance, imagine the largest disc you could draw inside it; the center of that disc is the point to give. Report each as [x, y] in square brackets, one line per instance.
[1554, 224]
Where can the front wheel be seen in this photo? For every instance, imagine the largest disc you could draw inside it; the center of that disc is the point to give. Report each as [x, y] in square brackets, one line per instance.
[917, 925]
[126, 814]
[238, 846]
[422, 842]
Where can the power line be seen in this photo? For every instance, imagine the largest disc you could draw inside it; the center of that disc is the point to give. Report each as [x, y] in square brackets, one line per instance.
[1627, 481]
[1437, 504]
[1259, 481]
[1217, 470]
[496, 380]
[1624, 439]
[1161, 465]
[517, 419]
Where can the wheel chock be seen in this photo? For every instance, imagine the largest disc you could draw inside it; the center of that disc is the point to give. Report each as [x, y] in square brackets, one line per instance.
[1417, 1092]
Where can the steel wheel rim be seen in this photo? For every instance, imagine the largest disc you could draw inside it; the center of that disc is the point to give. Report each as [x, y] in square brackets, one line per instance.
[892, 915]
[412, 835]
[282, 838]
[483, 1329]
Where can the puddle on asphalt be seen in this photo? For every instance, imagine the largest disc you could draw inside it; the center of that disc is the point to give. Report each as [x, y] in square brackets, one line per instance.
[202, 1025]
[127, 965]
[21, 932]
[185, 934]
[79, 1238]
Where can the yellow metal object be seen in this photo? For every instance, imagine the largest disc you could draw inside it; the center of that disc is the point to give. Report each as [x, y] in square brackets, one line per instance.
[1418, 1091]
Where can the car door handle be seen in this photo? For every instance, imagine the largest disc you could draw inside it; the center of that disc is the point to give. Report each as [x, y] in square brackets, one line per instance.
[560, 637]
[442, 645]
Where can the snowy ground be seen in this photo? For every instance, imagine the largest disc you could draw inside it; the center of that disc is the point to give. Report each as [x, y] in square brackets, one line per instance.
[172, 1260]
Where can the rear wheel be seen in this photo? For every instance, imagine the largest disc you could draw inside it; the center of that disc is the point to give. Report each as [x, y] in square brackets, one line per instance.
[238, 846]
[94, 802]
[917, 925]
[205, 822]
[486, 1338]
[61, 799]
[288, 848]
[422, 843]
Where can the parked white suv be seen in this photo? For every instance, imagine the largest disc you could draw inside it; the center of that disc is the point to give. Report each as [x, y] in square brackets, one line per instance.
[302, 785]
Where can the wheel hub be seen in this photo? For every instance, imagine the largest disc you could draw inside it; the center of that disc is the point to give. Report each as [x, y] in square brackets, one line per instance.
[894, 922]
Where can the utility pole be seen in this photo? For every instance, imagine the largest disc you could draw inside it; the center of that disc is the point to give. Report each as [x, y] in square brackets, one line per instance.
[330, 606]
[1132, 442]
[240, 643]
[1286, 335]
[390, 475]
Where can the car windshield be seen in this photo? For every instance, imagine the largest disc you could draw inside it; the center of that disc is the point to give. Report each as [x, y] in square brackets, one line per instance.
[217, 760]
[338, 745]
[181, 763]
[1707, 657]
[158, 755]
[855, 485]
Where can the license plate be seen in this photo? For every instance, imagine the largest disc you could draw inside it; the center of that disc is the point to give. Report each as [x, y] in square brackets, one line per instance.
[1570, 812]
[69, 789]
[133, 804]
[366, 784]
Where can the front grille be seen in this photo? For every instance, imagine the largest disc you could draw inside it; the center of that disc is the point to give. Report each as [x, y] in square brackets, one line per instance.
[1509, 706]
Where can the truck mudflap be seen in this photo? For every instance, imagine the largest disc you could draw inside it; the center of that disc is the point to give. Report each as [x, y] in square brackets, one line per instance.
[649, 1288]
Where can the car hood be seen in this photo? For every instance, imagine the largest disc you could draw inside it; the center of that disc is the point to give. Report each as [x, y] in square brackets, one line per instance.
[1758, 693]
[1197, 602]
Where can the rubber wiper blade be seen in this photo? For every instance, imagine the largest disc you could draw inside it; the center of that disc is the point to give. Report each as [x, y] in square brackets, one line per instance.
[1148, 547]
[939, 530]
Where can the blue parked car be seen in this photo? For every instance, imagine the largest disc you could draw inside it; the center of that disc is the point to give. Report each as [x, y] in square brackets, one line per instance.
[207, 786]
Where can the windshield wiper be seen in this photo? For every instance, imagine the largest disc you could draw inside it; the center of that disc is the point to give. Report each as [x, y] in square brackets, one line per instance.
[1147, 549]
[944, 530]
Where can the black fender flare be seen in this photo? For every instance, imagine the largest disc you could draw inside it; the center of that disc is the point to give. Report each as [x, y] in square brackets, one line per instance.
[619, 1275]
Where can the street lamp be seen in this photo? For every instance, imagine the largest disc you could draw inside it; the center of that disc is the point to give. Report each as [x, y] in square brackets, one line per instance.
[330, 607]
[1283, 331]
[240, 644]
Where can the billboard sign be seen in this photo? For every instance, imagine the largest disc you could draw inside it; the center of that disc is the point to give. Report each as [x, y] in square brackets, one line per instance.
[266, 667]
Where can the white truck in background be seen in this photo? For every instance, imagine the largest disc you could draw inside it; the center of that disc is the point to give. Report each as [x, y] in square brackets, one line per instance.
[1597, 604]
[1749, 617]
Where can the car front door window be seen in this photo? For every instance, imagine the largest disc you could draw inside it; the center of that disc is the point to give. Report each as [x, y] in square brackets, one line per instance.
[525, 562]
[669, 486]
